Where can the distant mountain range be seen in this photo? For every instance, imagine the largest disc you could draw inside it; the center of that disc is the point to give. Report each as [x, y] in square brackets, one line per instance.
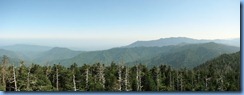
[189, 56]
[177, 56]
[182, 40]
[178, 52]
[55, 53]
[28, 52]
[37, 54]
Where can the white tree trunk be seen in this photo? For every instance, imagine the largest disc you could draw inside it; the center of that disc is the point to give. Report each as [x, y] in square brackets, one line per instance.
[15, 82]
[181, 82]
[3, 71]
[138, 78]
[126, 79]
[74, 83]
[87, 77]
[28, 80]
[158, 78]
[101, 77]
[170, 79]
[57, 77]
[120, 79]
[192, 80]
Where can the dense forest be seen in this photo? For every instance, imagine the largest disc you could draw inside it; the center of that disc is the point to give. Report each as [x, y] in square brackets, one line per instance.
[219, 74]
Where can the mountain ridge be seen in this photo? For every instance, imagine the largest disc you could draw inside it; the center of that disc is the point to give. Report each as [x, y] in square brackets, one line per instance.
[179, 40]
[178, 47]
[130, 55]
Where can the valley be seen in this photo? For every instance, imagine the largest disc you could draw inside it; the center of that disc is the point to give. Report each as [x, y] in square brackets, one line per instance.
[170, 64]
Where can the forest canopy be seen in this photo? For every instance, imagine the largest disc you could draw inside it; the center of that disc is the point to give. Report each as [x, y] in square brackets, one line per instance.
[219, 74]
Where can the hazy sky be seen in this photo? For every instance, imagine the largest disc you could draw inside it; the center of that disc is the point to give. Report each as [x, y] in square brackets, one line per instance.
[102, 24]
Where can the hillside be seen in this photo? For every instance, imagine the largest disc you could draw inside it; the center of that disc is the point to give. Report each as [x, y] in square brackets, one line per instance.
[181, 40]
[29, 51]
[14, 58]
[224, 62]
[11, 54]
[175, 55]
[56, 53]
[223, 72]
[190, 56]
[117, 55]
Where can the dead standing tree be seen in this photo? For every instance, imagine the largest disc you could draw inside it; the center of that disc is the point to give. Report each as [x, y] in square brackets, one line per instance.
[74, 82]
[57, 74]
[4, 72]
[87, 78]
[157, 78]
[101, 78]
[138, 77]
[28, 79]
[119, 78]
[15, 82]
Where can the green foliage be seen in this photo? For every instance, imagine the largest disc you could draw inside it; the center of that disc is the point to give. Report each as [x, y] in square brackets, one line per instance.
[219, 74]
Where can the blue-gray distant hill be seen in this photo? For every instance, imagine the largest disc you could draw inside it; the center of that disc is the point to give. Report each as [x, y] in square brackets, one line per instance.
[56, 53]
[181, 40]
[10, 54]
[14, 58]
[177, 56]
[36, 54]
[29, 51]
[178, 52]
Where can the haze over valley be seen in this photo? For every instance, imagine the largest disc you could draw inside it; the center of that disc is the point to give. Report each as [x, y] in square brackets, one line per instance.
[153, 52]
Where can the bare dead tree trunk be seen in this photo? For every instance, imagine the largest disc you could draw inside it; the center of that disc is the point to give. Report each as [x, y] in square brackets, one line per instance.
[198, 77]
[221, 83]
[206, 83]
[101, 78]
[120, 79]
[57, 77]
[173, 83]
[126, 79]
[48, 70]
[192, 80]
[170, 83]
[74, 83]
[28, 80]
[3, 78]
[87, 77]
[3, 71]
[177, 81]
[157, 78]
[15, 82]
[138, 78]
[181, 82]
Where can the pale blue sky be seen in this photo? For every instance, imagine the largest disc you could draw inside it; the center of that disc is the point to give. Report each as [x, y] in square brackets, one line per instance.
[102, 24]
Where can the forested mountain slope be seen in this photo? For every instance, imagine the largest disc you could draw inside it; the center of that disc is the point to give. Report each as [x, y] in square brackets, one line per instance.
[219, 74]
[189, 56]
[223, 72]
[177, 56]
[56, 53]
[117, 55]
